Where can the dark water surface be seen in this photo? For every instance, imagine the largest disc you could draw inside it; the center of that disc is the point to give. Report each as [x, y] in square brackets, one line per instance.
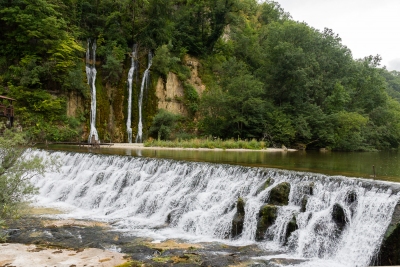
[354, 164]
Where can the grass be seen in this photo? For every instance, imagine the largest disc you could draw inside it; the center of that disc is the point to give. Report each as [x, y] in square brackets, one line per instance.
[209, 143]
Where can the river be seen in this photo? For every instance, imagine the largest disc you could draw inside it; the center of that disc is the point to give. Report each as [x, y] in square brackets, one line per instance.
[352, 164]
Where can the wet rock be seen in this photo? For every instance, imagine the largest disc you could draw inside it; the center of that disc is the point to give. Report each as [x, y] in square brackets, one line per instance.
[390, 249]
[304, 204]
[290, 228]
[339, 216]
[308, 189]
[351, 201]
[171, 216]
[266, 184]
[266, 217]
[238, 219]
[280, 194]
[351, 197]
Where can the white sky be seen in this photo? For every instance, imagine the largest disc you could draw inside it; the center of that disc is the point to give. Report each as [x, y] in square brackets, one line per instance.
[367, 27]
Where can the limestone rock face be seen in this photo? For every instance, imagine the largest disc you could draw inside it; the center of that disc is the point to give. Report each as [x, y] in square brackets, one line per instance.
[170, 93]
[75, 104]
[194, 80]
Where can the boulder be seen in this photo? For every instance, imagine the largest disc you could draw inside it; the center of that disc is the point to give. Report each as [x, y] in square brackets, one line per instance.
[238, 219]
[290, 228]
[389, 253]
[339, 216]
[266, 217]
[279, 195]
[304, 204]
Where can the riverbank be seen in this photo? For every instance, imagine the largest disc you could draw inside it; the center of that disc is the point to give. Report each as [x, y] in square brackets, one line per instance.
[21, 255]
[38, 241]
[141, 146]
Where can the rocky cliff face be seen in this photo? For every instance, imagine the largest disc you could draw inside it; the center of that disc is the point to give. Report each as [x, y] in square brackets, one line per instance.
[112, 102]
[171, 93]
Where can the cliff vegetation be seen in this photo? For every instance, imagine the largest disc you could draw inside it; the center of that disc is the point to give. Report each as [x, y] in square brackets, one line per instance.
[229, 68]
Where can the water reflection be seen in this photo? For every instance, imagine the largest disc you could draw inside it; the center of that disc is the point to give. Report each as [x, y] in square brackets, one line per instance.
[356, 164]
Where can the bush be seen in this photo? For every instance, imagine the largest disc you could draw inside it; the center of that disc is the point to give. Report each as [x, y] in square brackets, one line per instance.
[15, 174]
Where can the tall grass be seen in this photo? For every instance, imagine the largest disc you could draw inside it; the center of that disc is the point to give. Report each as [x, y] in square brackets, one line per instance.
[209, 143]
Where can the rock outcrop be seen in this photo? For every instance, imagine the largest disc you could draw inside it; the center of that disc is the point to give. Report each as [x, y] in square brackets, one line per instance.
[389, 253]
[171, 94]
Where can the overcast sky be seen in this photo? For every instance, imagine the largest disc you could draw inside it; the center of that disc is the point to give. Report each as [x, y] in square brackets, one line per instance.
[367, 27]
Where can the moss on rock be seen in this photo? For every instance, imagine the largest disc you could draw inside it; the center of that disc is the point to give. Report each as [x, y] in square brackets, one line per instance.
[280, 194]
[265, 185]
[266, 217]
[304, 202]
[238, 218]
[290, 228]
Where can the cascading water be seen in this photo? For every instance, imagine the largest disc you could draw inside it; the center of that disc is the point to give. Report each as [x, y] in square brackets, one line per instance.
[91, 80]
[197, 201]
[145, 84]
[130, 81]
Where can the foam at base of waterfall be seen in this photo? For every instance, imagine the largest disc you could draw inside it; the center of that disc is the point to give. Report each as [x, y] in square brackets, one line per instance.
[139, 196]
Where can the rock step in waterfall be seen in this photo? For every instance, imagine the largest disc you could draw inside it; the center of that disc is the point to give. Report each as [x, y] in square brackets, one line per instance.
[329, 221]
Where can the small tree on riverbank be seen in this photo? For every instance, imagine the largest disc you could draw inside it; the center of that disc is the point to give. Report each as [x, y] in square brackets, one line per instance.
[16, 171]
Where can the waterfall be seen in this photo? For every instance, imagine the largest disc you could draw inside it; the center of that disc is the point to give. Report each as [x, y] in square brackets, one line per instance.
[91, 79]
[197, 201]
[130, 81]
[145, 84]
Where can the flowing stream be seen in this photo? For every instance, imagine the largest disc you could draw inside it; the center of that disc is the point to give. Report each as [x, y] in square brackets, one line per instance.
[144, 86]
[130, 82]
[91, 79]
[197, 201]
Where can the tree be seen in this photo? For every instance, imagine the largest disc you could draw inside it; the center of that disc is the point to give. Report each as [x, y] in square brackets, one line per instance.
[163, 124]
[16, 170]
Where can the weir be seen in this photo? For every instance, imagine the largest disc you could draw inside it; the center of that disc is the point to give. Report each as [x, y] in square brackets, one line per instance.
[144, 86]
[328, 220]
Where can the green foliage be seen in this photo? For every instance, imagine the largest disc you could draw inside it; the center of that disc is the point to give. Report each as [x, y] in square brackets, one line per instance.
[163, 61]
[164, 124]
[267, 77]
[349, 127]
[209, 143]
[16, 170]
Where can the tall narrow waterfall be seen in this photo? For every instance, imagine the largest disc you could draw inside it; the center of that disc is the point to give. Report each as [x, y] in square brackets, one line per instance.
[130, 82]
[91, 79]
[145, 84]
[197, 201]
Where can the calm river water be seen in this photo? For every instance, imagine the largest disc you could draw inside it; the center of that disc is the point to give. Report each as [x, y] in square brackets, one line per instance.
[355, 164]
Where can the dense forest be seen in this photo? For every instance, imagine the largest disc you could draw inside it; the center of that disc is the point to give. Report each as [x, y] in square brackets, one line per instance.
[267, 77]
